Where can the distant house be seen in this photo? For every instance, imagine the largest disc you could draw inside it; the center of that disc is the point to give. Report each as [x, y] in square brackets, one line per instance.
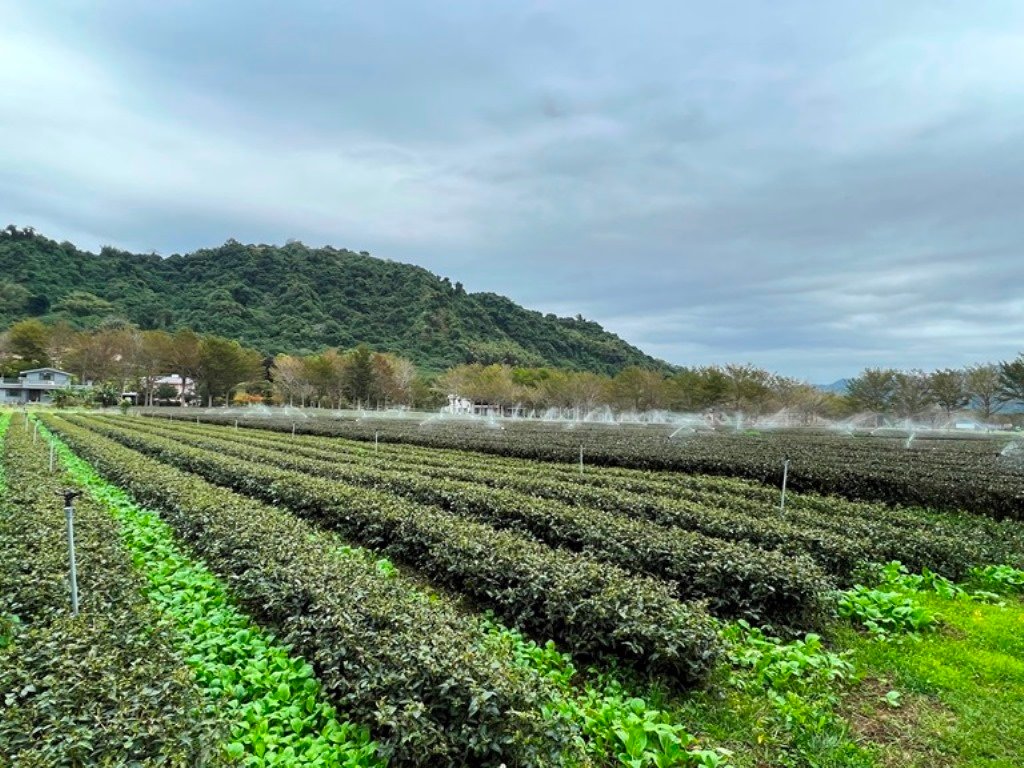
[34, 386]
[182, 385]
[183, 388]
[458, 405]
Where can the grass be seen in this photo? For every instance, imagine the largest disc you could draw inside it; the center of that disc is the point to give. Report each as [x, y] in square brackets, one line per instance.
[962, 688]
[951, 696]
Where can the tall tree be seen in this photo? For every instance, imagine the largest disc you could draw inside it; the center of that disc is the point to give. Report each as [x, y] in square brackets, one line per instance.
[872, 390]
[184, 357]
[359, 375]
[27, 341]
[948, 388]
[911, 394]
[223, 366]
[403, 376]
[290, 379]
[154, 355]
[985, 388]
[1011, 379]
[748, 388]
[697, 389]
[638, 389]
[63, 341]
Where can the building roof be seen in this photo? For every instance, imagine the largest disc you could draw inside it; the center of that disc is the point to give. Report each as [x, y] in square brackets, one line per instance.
[41, 370]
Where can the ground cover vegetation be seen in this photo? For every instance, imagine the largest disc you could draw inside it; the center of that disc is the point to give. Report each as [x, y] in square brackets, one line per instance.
[869, 679]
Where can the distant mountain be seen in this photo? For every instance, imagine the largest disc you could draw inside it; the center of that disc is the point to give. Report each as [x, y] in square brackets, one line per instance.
[297, 299]
[836, 387]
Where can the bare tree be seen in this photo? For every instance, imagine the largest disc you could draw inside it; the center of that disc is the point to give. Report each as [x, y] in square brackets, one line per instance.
[290, 379]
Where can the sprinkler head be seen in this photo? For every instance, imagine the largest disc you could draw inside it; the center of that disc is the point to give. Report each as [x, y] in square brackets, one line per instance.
[69, 494]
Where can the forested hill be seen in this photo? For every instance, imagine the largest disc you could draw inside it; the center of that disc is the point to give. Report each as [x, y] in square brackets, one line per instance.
[296, 299]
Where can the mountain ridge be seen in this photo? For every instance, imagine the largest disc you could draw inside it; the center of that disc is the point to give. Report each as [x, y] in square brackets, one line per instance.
[298, 299]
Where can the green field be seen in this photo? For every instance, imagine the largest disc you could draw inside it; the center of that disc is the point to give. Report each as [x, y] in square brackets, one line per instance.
[259, 598]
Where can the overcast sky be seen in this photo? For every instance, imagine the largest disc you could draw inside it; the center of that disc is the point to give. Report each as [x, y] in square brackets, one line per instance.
[814, 187]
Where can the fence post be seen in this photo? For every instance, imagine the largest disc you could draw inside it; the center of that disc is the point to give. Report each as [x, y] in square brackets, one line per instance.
[785, 477]
[70, 495]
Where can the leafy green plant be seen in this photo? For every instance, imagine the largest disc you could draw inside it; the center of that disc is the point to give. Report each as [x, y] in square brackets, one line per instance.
[801, 681]
[614, 724]
[884, 613]
[999, 578]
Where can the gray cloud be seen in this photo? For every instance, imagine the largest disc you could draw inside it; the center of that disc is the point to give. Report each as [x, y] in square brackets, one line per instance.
[810, 187]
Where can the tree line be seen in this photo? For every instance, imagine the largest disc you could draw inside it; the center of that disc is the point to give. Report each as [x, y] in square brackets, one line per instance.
[119, 357]
[986, 389]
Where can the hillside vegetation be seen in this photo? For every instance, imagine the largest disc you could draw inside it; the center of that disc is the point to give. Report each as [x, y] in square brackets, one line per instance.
[297, 299]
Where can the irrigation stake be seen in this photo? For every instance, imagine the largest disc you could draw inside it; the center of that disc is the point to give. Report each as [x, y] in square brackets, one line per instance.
[581, 458]
[51, 458]
[70, 495]
[293, 429]
[375, 436]
[236, 425]
[785, 477]
[35, 431]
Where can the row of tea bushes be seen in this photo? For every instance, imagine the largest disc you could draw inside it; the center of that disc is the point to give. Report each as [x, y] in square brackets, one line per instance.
[839, 534]
[954, 474]
[271, 699]
[108, 686]
[592, 608]
[736, 579]
[408, 665]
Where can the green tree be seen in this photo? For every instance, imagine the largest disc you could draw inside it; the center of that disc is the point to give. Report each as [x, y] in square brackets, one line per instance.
[1011, 379]
[358, 379]
[14, 300]
[28, 341]
[638, 389]
[165, 392]
[983, 384]
[223, 365]
[697, 389]
[872, 390]
[911, 394]
[948, 388]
